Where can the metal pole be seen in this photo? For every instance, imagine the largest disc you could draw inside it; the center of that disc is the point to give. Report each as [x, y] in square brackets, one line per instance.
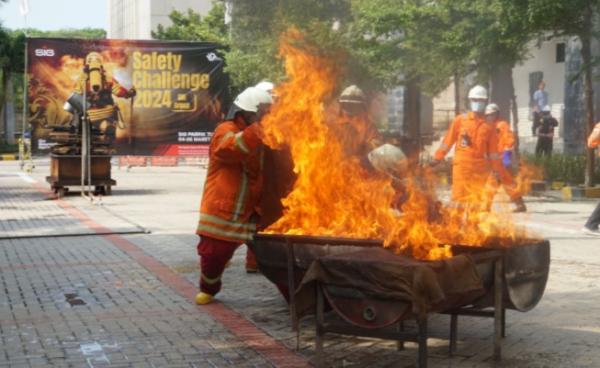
[422, 341]
[291, 283]
[453, 333]
[319, 320]
[25, 99]
[400, 342]
[83, 135]
[498, 307]
[85, 144]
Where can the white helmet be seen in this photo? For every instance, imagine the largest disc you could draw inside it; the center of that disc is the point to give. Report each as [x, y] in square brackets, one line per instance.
[491, 109]
[352, 95]
[266, 86]
[478, 92]
[546, 108]
[388, 159]
[251, 98]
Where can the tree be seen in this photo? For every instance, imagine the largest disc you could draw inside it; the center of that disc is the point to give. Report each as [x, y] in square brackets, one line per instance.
[11, 62]
[504, 34]
[252, 39]
[90, 33]
[191, 26]
[573, 18]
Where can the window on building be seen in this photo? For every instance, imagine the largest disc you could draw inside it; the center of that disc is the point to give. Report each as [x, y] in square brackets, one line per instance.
[560, 52]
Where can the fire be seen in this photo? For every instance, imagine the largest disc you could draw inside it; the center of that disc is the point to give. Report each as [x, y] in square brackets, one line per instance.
[335, 194]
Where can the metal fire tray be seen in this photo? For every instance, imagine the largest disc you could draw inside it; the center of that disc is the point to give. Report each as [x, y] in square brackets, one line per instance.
[512, 277]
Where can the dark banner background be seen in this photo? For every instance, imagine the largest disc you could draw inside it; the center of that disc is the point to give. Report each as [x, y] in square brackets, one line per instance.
[181, 91]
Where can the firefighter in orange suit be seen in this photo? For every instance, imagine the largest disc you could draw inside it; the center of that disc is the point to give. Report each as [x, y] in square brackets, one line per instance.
[476, 154]
[99, 89]
[232, 189]
[506, 143]
[591, 226]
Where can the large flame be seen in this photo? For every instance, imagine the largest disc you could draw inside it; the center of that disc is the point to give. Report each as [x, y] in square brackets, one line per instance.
[336, 195]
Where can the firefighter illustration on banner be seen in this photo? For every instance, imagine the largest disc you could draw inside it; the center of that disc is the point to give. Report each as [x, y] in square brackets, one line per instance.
[98, 87]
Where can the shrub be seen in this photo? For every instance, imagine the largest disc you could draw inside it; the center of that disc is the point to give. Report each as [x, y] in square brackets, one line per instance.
[569, 169]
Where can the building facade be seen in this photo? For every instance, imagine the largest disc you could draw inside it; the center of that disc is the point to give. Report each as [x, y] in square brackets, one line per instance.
[546, 61]
[136, 19]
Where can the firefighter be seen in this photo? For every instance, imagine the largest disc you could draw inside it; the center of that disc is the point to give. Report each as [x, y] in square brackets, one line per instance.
[545, 133]
[475, 154]
[232, 189]
[353, 126]
[591, 226]
[99, 89]
[506, 142]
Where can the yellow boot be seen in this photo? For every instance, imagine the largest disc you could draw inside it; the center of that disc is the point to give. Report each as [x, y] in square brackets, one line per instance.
[203, 298]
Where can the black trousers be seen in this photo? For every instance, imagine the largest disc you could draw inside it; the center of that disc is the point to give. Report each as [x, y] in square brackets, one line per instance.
[543, 146]
[594, 221]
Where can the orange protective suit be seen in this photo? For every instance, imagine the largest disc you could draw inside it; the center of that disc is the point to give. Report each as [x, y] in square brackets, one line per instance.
[475, 158]
[506, 142]
[594, 138]
[231, 195]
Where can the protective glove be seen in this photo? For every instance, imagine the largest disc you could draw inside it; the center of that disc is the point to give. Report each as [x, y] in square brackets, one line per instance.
[132, 92]
[507, 158]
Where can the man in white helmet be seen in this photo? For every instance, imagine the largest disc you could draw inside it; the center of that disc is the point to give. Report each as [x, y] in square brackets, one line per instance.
[353, 126]
[232, 189]
[506, 145]
[545, 132]
[475, 155]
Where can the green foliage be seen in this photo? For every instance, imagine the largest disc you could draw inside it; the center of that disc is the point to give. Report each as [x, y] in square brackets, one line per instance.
[385, 42]
[253, 38]
[191, 26]
[431, 41]
[89, 33]
[8, 148]
[569, 169]
[564, 17]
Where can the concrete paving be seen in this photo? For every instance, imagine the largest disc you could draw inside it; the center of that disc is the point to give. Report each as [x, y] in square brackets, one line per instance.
[112, 284]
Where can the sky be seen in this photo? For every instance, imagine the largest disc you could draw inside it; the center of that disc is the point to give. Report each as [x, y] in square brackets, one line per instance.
[49, 15]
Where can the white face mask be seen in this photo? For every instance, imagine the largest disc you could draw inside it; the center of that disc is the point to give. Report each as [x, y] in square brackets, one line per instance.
[477, 106]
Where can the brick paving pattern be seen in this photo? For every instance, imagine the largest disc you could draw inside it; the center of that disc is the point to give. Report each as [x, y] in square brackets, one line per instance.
[86, 301]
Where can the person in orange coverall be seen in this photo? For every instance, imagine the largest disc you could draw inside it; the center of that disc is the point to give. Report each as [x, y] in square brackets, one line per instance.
[476, 153]
[591, 226]
[233, 187]
[506, 143]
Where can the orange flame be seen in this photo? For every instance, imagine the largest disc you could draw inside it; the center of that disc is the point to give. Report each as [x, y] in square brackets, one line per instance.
[335, 195]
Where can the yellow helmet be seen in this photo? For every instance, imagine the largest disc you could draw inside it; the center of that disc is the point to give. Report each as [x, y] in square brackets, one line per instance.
[93, 58]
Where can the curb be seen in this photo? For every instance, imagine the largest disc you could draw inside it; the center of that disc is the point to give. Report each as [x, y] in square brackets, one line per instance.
[8, 157]
[570, 193]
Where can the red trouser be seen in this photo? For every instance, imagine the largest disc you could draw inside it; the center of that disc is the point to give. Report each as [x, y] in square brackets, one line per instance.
[214, 255]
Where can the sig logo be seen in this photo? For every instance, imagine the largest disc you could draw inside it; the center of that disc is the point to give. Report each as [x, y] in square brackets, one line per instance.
[44, 52]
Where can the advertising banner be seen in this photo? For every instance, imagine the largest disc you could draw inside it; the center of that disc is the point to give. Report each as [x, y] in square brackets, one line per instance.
[149, 97]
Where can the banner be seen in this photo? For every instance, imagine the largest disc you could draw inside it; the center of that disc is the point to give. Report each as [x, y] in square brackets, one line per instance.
[159, 98]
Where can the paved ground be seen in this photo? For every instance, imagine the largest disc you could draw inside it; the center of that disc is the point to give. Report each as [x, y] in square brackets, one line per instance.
[85, 285]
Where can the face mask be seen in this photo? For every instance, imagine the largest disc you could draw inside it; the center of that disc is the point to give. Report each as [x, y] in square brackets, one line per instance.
[477, 106]
[489, 119]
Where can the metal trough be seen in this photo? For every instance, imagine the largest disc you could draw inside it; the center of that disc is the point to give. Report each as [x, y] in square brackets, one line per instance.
[513, 277]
